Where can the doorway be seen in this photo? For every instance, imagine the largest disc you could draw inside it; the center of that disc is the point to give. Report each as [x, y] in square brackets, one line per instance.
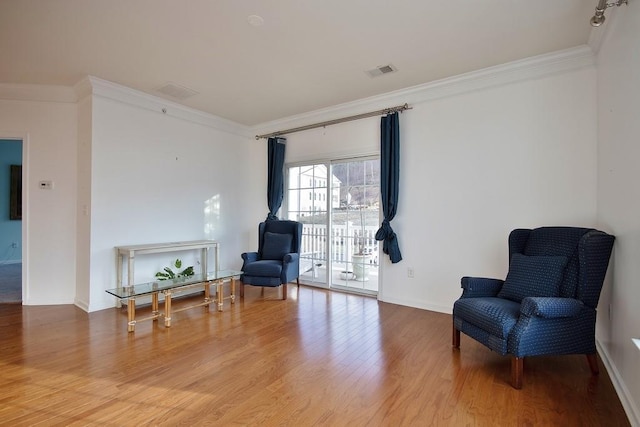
[11, 221]
[338, 205]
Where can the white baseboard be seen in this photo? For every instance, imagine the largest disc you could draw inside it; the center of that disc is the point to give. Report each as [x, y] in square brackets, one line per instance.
[83, 305]
[38, 301]
[11, 261]
[623, 393]
[424, 305]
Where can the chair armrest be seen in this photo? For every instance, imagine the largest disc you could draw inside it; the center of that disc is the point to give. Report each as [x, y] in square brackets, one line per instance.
[250, 256]
[292, 257]
[474, 287]
[551, 307]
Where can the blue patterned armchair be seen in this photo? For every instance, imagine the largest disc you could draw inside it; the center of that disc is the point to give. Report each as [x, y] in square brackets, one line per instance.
[277, 261]
[547, 303]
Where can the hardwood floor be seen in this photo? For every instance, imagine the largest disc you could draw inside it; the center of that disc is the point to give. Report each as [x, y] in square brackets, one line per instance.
[11, 283]
[318, 358]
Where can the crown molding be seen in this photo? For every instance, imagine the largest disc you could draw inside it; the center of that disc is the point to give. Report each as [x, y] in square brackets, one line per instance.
[524, 69]
[116, 92]
[83, 88]
[41, 93]
[91, 85]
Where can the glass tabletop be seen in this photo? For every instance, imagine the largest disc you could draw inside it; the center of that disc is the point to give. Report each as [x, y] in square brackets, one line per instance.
[161, 285]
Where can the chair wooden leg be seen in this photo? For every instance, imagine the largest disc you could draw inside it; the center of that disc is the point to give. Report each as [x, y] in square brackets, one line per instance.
[456, 337]
[517, 366]
[284, 291]
[241, 290]
[298, 281]
[593, 363]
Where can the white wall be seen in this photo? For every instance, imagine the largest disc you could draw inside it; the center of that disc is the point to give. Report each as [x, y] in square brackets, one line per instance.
[48, 130]
[83, 204]
[619, 197]
[474, 166]
[124, 173]
[480, 164]
[152, 175]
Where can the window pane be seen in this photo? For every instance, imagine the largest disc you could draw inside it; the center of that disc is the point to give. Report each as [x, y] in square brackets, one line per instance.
[292, 200]
[371, 172]
[294, 177]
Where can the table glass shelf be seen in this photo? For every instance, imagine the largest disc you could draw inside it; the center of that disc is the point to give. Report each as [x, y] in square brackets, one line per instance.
[149, 288]
[167, 287]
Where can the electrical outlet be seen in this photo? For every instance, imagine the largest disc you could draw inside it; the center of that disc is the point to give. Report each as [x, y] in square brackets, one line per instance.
[410, 272]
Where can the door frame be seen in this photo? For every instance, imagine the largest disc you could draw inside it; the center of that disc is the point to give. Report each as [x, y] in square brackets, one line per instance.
[327, 163]
[24, 138]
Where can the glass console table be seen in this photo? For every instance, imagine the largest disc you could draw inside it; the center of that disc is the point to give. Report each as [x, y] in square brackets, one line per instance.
[167, 287]
[127, 255]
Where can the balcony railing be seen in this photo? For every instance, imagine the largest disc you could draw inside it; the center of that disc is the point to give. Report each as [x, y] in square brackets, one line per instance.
[346, 240]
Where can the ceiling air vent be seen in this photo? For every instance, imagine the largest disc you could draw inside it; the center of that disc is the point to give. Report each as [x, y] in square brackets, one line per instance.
[176, 91]
[382, 69]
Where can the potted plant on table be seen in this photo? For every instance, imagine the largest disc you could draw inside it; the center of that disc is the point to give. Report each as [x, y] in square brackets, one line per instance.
[169, 274]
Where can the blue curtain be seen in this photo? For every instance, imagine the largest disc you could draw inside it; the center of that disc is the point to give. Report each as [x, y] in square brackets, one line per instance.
[389, 183]
[275, 179]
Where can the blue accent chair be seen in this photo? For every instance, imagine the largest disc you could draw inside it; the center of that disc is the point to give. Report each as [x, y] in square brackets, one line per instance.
[547, 303]
[277, 261]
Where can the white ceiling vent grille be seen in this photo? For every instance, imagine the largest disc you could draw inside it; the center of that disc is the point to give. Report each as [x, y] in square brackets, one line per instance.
[382, 69]
[176, 91]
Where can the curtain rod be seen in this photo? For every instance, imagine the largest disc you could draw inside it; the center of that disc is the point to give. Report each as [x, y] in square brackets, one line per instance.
[399, 108]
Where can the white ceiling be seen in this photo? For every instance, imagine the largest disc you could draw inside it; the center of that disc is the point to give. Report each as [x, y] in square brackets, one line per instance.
[309, 54]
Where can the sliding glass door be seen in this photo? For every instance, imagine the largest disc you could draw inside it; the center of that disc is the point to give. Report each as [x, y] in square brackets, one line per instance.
[338, 204]
[307, 201]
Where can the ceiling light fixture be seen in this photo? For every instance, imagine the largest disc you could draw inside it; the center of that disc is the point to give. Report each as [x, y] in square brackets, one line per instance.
[255, 20]
[598, 18]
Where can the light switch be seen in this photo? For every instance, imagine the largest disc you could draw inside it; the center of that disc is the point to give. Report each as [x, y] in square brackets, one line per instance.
[46, 185]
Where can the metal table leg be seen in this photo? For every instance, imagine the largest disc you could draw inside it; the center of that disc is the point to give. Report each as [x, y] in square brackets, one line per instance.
[167, 308]
[131, 314]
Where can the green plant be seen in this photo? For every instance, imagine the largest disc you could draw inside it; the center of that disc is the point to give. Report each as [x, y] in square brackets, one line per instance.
[168, 273]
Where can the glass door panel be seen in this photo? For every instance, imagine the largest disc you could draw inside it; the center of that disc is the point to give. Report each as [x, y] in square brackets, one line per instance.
[307, 203]
[338, 205]
[355, 220]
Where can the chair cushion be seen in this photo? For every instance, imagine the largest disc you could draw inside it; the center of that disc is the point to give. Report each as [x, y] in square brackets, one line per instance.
[276, 245]
[263, 268]
[533, 276]
[558, 241]
[495, 316]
